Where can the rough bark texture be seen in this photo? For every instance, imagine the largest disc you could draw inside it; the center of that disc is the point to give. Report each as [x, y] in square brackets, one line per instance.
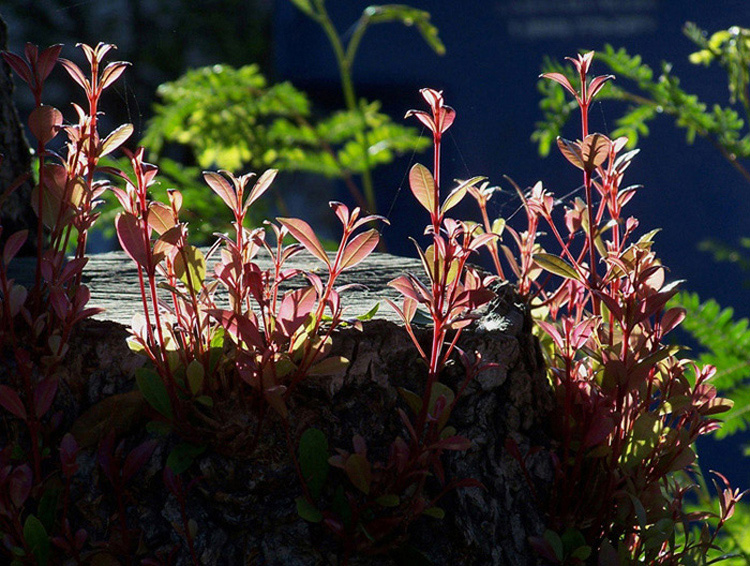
[16, 213]
[244, 504]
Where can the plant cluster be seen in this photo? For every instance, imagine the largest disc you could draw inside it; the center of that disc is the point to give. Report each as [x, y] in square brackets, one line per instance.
[649, 94]
[628, 408]
[36, 323]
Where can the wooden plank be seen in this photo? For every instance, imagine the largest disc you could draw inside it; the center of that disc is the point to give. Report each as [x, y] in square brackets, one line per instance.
[112, 279]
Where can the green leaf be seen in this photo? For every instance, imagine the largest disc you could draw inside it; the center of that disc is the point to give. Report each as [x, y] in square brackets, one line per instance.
[388, 500]
[36, 537]
[205, 400]
[48, 507]
[195, 374]
[313, 459]
[359, 472]
[412, 399]
[308, 511]
[369, 315]
[182, 456]
[556, 265]
[434, 512]
[154, 391]
[190, 267]
[556, 543]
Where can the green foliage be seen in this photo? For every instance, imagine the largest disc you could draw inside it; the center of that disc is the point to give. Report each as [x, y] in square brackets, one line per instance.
[648, 94]
[232, 119]
[726, 342]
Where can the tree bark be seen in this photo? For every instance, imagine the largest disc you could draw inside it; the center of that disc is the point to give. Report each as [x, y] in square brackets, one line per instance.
[16, 212]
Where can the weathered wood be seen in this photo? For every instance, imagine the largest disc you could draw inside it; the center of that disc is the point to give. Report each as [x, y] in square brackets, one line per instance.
[112, 279]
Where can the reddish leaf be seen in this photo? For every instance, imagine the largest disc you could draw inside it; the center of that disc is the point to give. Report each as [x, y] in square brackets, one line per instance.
[594, 151]
[76, 74]
[19, 485]
[137, 459]
[60, 302]
[131, 237]
[423, 186]
[294, 309]
[671, 319]
[13, 244]
[45, 122]
[599, 430]
[596, 85]
[571, 151]
[68, 454]
[359, 248]
[221, 187]
[168, 243]
[72, 269]
[305, 235]
[260, 187]
[423, 117]
[112, 72]
[17, 298]
[44, 394]
[116, 138]
[11, 402]
[47, 61]
[20, 66]
[160, 217]
[239, 326]
[341, 211]
[403, 284]
[562, 80]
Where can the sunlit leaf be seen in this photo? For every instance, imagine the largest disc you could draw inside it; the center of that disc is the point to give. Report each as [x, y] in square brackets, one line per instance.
[556, 265]
[116, 138]
[190, 267]
[423, 186]
[305, 235]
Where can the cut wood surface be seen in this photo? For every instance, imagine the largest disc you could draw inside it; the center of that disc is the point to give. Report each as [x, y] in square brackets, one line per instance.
[112, 279]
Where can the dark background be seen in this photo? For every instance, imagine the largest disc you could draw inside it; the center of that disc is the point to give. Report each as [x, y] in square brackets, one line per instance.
[489, 73]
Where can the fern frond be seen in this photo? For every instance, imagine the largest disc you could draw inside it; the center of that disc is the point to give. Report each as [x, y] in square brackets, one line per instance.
[726, 345]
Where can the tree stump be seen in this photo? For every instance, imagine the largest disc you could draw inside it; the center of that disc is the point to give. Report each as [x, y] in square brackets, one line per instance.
[16, 213]
[244, 504]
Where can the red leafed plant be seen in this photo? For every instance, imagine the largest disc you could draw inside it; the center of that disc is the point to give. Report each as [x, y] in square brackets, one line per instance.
[628, 408]
[36, 324]
[275, 333]
[389, 495]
